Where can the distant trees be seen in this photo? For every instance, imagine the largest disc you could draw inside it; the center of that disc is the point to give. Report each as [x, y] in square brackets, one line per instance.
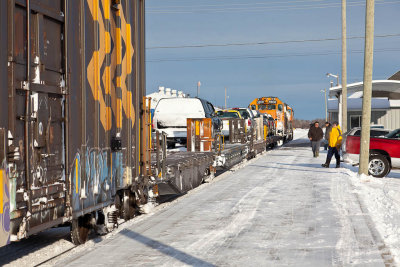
[305, 124]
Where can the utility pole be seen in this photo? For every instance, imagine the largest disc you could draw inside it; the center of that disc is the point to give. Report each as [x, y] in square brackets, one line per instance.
[326, 105]
[366, 107]
[225, 97]
[340, 110]
[340, 106]
[198, 88]
[344, 68]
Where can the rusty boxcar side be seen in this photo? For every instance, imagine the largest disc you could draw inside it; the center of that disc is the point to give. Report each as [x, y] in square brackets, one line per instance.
[72, 118]
[4, 184]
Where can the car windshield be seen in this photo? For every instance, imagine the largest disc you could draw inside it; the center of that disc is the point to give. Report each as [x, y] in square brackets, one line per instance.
[226, 114]
[373, 133]
[244, 113]
[378, 133]
[393, 134]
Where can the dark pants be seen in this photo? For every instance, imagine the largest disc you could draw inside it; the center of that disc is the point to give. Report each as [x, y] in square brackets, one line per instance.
[326, 144]
[333, 151]
[315, 147]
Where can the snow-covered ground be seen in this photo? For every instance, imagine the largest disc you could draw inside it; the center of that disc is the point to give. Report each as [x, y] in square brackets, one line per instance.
[380, 197]
[279, 209]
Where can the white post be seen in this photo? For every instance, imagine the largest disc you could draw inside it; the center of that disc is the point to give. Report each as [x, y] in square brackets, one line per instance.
[225, 97]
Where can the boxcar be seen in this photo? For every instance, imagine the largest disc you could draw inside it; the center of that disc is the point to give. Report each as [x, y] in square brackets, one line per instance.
[73, 136]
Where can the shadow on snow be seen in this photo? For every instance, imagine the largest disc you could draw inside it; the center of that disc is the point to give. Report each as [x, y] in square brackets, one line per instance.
[166, 249]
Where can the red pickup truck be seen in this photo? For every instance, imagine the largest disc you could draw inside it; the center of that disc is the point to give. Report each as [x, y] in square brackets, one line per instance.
[384, 152]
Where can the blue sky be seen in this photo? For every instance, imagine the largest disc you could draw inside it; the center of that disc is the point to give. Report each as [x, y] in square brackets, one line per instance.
[295, 72]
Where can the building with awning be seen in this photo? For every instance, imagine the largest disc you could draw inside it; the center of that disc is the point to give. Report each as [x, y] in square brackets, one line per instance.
[385, 103]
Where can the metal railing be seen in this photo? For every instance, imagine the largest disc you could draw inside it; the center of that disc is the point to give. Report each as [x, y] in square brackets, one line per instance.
[200, 135]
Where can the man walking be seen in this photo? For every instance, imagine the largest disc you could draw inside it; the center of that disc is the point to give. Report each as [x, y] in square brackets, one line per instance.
[315, 134]
[335, 141]
[328, 128]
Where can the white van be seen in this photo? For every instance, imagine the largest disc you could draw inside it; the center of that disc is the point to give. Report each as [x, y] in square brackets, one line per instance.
[171, 114]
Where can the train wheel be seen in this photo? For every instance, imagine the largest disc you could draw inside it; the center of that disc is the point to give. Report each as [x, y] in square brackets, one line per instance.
[126, 206]
[80, 228]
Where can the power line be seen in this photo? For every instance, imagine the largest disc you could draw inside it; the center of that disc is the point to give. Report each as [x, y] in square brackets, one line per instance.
[324, 53]
[193, 9]
[259, 9]
[267, 43]
[241, 4]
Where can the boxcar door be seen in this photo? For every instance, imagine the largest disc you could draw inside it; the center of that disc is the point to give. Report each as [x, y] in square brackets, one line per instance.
[37, 101]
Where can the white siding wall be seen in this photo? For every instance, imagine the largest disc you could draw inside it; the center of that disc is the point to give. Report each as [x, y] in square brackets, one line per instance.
[391, 120]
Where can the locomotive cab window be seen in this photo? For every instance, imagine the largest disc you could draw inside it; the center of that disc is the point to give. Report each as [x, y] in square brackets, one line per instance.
[271, 107]
[262, 107]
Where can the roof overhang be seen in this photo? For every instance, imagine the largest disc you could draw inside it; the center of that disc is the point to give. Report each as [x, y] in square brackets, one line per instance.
[380, 88]
[355, 104]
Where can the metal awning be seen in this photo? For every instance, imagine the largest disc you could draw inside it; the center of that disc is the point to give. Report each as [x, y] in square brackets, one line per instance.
[380, 88]
[355, 104]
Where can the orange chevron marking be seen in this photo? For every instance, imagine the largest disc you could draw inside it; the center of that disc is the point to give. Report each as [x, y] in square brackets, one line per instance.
[106, 5]
[114, 58]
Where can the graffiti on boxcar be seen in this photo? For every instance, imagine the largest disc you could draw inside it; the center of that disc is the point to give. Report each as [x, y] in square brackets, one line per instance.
[111, 65]
[4, 206]
[94, 176]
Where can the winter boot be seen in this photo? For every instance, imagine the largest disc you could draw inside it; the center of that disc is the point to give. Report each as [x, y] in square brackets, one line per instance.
[326, 164]
[316, 154]
[337, 165]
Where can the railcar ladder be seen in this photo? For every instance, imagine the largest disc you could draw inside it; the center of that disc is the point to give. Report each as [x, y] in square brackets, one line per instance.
[146, 138]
